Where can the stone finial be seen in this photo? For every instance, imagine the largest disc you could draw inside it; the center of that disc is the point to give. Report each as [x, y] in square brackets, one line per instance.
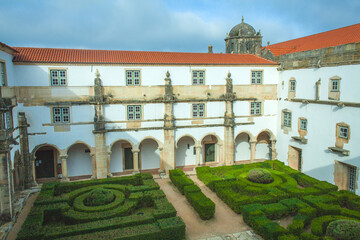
[268, 43]
[210, 49]
[229, 74]
[167, 74]
[97, 74]
[242, 19]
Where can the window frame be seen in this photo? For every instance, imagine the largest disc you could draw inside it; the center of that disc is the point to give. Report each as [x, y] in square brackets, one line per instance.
[341, 133]
[62, 115]
[286, 121]
[195, 108]
[58, 77]
[256, 78]
[332, 81]
[301, 124]
[3, 76]
[253, 108]
[137, 114]
[292, 85]
[197, 82]
[133, 79]
[352, 170]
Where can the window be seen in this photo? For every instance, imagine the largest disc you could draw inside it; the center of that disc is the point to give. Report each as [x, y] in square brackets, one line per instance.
[352, 178]
[292, 85]
[132, 77]
[255, 108]
[198, 77]
[287, 119]
[256, 77]
[7, 120]
[343, 132]
[58, 77]
[303, 124]
[61, 115]
[134, 112]
[198, 110]
[2, 74]
[334, 85]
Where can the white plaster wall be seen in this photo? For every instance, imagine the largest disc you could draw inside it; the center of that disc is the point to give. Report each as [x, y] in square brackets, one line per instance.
[79, 161]
[185, 155]
[150, 154]
[242, 148]
[262, 151]
[135, 137]
[318, 161]
[116, 161]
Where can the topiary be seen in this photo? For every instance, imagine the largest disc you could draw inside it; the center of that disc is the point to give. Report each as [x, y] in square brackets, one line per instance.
[98, 197]
[343, 229]
[260, 175]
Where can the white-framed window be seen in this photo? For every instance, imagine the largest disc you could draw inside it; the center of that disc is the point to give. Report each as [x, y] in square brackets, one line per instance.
[2, 74]
[198, 110]
[256, 77]
[61, 115]
[352, 178]
[303, 124]
[58, 77]
[287, 119]
[292, 85]
[134, 112]
[343, 132]
[334, 85]
[198, 77]
[7, 120]
[132, 77]
[255, 108]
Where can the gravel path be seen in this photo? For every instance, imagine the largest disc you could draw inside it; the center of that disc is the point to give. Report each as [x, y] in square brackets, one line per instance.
[225, 220]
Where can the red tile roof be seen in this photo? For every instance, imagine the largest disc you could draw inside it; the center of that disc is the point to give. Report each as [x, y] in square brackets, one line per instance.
[340, 36]
[55, 55]
[8, 47]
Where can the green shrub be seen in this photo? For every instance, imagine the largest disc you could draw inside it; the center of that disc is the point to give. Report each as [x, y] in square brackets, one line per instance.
[163, 209]
[99, 196]
[172, 228]
[288, 237]
[294, 204]
[298, 224]
[344, 229]
[260, 175]
[191, 189]
[308, 236]
[308, 211]
[304, 180]
[275, 210]
[203, 205]
[272, 231]
[179, 179]
[319, 225]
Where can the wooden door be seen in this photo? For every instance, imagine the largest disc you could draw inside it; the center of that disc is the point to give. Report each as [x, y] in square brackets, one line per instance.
[44, 164]
[128, 156]
[210, 152]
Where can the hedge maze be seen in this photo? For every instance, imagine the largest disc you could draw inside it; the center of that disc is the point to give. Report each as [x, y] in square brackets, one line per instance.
[130, 207]
[311, 203]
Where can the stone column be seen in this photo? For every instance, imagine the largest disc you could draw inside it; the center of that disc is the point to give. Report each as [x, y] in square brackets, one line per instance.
[108, 164]
[253, 149]
[198, 151]
[101, 156]
[5, 189]
[136, 160]
[169, 126]
[63, 159]
[162, 167]
[93, 165]
[273, 150]
[317, 94]
[229, 123]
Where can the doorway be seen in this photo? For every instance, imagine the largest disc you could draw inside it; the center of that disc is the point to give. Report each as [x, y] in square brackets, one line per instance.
[45, 163]
[295, 158]
[128, 159]
[210, 152]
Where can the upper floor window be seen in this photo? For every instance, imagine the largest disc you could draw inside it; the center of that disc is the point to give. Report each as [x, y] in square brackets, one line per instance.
[198, 77]
[132, 77]
[2, 74]
[256, 77]
[134, 112]
[292, 86]
[287, 119]
[334, 88]
[6, 120]
[58, 77]
[303, 124]
[334, 85]
[61, 115]
[198, 110]
[255, 108]
[343, 132]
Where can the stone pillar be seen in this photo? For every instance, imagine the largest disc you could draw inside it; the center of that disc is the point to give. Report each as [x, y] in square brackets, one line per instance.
[5, 188]
[273, 150]
[101, 156]
[63, 159]
[93, 165]
[198, 151]
[317, 94]
[109, 174]
[169, 126]
[136, 160]
[162, 166]
[229, 124]
[253, 149]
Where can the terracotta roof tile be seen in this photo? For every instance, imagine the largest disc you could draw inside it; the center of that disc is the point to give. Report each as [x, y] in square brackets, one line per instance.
[340, 36]
[8, 47]
[55, 55]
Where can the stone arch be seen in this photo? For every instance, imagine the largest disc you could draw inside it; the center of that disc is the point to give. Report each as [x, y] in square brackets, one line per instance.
[185, 151]
[211, 150]
[242, 146]
[213, 134]
[149, 155]
[248, 133]
[269, 132]
[263, 145]
[121, 156]
[46, 161]
[80, 160]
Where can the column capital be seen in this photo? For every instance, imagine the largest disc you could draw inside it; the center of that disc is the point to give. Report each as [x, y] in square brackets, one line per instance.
[252, 141]
[135, 150]
[63, 157]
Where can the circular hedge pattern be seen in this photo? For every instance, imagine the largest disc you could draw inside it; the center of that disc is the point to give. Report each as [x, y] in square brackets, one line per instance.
[260, 175]
[99, 197]
[344, 229]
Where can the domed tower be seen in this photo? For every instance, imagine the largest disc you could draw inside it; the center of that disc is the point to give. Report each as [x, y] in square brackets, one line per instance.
[243, 39]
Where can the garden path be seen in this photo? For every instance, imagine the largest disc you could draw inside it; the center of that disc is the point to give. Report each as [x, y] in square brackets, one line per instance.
[225, 220]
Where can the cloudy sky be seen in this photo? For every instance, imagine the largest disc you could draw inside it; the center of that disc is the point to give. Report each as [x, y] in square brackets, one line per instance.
[164, 25]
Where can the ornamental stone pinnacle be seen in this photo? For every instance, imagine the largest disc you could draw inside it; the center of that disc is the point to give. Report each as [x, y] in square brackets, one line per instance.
[97, 74]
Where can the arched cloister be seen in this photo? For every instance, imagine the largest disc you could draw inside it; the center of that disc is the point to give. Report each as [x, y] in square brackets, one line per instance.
[149, 153]
[185, 151]
[210, 148]
[46, 161]
[79, 160]
[121, 157]
[263, 146]
[242, 147]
